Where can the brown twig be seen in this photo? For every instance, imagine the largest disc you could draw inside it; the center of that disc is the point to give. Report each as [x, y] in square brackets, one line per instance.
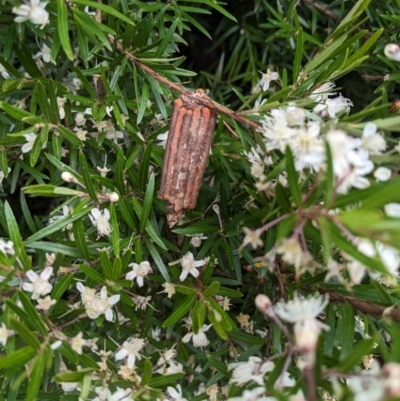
[362, 306]
[205, 100]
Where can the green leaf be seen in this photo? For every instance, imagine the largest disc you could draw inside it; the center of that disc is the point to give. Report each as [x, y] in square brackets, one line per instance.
[92, 273]
[345, 330]
[293, 177]
[181, 310]
[167, 38]
[161, 381]
[35, 379]
[68, 376]
[143, 102]
[117, 268]
[40, 140]
[148, 199]
[185, 290]
[21, 115]
[211, 289]
[115, 239]
[330, 177]
[105, 8]
[157, 259]
[215, 6]
[199, 313]
[24, 332]
[62, 28]
[105, 264]
[16, 239]
[146, 373]
[17, 358]
[34, 318]
[80, 238]
[87, 179]
[49, 190]
[298, 55]
[70, 136]
[62, 286]
[362, 348]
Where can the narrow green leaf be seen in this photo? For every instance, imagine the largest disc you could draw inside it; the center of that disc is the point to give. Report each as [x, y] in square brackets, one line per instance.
[27, 214]
[92, 273]
[105, 8]
[199, 313]
[70, 136]
[40, 141]
[359, 350]
[181, 310]
[35, 379]
[80, 240]
[87, 179]
[345, 330]
[143, 102]
[119, 172]
[115, 239]
[293, 177]
[148, 199]
[17, 358]
[15, 237]
[105, 264]
[21, 115]
[146, 373]
[69, 376]
[211, 289]
[117, 268]
[167, 38]
[185, 290]
[62, 286]
[298, 55]
[62, 28]
[24, 332]
[157, 259]
[161, 381]
[34, 318]
[49, 190]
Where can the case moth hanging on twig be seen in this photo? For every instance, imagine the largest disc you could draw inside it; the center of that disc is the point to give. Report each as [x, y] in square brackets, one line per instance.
[186, 154]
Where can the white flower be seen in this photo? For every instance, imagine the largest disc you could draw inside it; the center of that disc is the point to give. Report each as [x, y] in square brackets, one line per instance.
[302, 312]
[7, 247]
[252, 370]
[97, 304]
[103, 170]
[308, 148]
[176, 395]
[45, 53]
[323, 92]
[4, 334]
[392, 52]
[141, 302]
[139, 272]
[101, 221]
[80, 119]
[30, 140]
[189, 265]
[252, 395]
[332, 107]
[112, 133]
[60, 104]
[39, 285]
[392, 209]
[4, 73]
[371, 141]
[77, 343]
[195, 242]
[80, 133]
[45, 303]
[277, 132]
[130, 349]
[34, 12]
[382, 174]
[267, 78]
[252, 238]
[162, 138]
[169, 288]
[199, 339]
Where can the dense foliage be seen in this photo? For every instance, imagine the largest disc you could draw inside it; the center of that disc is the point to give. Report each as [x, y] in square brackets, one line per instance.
[283, 282]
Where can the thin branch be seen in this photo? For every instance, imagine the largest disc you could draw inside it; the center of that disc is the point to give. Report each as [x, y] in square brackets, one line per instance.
[362, 306]
[205, 100]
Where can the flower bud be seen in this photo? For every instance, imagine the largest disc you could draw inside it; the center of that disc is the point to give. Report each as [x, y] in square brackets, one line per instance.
[263, 303]
[391, 371]
[68, 177]
[392, 52]
[113, 197]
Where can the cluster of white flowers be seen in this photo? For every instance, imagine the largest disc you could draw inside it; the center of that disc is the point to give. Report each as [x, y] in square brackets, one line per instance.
[294, 127]
[33, 11]
[98, 303]
[130, 350]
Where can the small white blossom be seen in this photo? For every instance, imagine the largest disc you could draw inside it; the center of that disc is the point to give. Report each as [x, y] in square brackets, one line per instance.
[4, 334]
[331, 107]
[77, 343]
[141, 302]
[169, 288]
[323, 92]
[267, 78]
[80, 119]
[46, 303]
[7, 247]
[39, 284]
[175, 395]
[101, 221]
[4, 73]
[199, 339]
[392, 209]
[162, 138]
[45, 54]
[80, 133]
[103, 170]
[33, 11]
[252, 238]
[30, 140]
[60, 104]
[371, 141]
[254, 369]
[139, 271]
[189, 265]
[382, 174]
[130, 350]
[195, 242]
